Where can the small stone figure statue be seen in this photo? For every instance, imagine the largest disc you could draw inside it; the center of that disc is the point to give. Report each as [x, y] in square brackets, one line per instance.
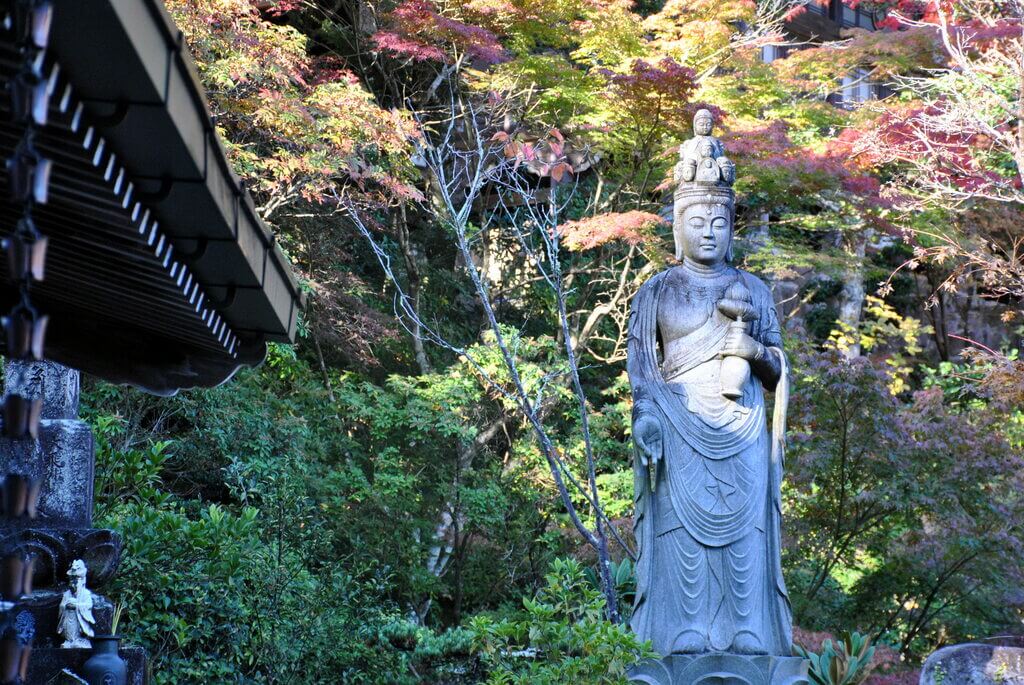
[76, 619]
[705, 168]
[704, 345]
[690, 154]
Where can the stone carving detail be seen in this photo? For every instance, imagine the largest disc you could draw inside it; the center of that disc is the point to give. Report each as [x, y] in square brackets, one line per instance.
[57, 385]
[704, 345]
[54, 549]
[721, 669]
[76, 619]
[701, 159]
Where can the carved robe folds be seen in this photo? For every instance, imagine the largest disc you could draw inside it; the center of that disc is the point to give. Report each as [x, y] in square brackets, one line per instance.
[708, 513]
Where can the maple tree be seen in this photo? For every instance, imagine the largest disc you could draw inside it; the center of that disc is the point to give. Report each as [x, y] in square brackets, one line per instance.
[953, 142]
[416, 30]
[295, 124]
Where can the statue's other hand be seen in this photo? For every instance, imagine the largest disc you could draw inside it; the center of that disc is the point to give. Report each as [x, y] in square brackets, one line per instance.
[647, 434]
[739, 344]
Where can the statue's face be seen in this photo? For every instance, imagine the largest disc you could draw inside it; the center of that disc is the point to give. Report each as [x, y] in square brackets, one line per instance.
[706, 149]
[702, 124]
[705, 233]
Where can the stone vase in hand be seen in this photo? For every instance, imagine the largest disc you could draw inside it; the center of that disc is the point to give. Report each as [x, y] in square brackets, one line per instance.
[735, 371]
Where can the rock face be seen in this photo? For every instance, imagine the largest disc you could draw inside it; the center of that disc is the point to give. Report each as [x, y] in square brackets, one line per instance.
[974, 664]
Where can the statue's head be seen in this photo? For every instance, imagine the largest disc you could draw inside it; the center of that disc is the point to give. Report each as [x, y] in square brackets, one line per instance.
[77, 570]
[702, 122]
[703, 230]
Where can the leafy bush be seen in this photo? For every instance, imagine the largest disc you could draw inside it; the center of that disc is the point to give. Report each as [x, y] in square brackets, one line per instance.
[561, 637]
[845, 662]
[624, 576]
[888, 524]
[242, 594]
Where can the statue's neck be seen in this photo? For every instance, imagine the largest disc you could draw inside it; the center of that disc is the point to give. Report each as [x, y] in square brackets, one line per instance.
[704, 270]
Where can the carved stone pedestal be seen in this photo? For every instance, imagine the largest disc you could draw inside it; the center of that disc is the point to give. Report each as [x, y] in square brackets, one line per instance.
[61, 467]
[721, 669]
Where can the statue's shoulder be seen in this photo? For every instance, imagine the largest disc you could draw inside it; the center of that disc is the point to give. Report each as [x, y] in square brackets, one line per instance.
[651, 283]
[643, 296]
[757, 287]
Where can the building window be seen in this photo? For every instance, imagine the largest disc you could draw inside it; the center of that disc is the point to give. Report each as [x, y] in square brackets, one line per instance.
[818, 6]
[770, 53]
[857, 89]
[857, 17]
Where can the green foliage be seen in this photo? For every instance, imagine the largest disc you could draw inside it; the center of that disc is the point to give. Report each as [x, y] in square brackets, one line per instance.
[560, 92]
[617, 491]
[218, 593]
[848, 662]
[623, 575]
[881, 327]
[560, 637]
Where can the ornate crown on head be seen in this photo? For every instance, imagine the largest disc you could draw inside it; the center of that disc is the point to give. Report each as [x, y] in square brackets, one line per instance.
[704, 173]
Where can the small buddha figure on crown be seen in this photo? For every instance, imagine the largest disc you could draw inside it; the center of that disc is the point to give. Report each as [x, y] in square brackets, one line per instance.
[703, 122]
[702, 159]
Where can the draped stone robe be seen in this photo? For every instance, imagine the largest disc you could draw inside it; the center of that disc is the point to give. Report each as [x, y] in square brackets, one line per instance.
[707, 519]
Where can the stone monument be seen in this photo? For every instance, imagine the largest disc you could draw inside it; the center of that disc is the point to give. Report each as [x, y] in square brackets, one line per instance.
[50, 532]
[704, 345]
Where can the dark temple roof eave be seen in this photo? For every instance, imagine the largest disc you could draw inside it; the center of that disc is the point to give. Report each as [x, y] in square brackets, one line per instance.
[161, 274]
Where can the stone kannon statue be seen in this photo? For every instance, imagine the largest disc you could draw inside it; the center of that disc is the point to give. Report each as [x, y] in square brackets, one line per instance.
[704, 345]
[76, 618]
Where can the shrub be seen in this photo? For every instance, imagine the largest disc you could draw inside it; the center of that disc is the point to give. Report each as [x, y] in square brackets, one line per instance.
[560, 637]
[845, 662]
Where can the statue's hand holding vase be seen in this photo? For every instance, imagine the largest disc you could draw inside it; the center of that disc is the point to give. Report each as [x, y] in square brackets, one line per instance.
[738, 348]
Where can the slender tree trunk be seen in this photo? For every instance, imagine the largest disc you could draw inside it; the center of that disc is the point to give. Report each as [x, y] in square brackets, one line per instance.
[412, 268]
[450, 522]
[323, 366]
[851, 299]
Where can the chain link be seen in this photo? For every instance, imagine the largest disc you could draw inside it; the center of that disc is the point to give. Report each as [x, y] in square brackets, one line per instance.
[28, 172]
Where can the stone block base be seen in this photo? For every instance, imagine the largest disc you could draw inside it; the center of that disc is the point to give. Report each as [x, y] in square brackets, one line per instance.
[46, 665]
[721, 669]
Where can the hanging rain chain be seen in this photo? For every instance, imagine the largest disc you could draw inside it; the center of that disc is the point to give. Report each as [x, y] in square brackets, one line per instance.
[28, 173]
